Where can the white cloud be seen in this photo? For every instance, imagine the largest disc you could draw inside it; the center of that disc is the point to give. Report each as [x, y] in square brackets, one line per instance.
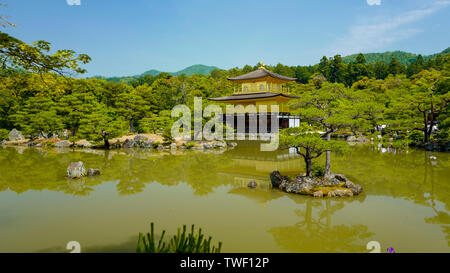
[73, 2]
[382, 32]
[373, 2]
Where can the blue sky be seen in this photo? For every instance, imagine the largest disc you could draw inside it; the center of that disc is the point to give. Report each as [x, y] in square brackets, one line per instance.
[130, 37]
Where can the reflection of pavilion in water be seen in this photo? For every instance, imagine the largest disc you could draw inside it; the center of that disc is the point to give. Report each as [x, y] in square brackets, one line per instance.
[249, 163]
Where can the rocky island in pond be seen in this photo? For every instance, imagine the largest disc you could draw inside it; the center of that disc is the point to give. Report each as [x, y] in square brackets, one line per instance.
[337, 185]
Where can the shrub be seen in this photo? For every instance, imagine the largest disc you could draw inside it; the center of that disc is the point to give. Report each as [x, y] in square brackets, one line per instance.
[317, 170]
[416, 136]
[189, 145]
[182, 242]
[4, 134]
[167, 134]
[441, 136]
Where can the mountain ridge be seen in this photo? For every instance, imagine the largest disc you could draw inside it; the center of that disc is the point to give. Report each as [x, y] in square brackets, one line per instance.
[403, 57]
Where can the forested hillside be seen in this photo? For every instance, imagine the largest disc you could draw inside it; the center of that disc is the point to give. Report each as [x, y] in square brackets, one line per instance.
[405, 58]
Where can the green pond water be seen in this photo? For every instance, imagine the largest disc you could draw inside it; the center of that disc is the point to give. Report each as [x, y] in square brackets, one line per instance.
[405, 204]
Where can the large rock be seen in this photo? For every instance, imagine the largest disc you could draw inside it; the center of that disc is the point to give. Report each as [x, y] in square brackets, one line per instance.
[337, 185]
[129, 143]
[146, 143]
[3, 142]
[220, 144]
[63, 144]
[231, 144]
[15, 135]
[84, 144]
[302, 185]
[318, 194]
[356, 189]
[117, 145]
[140, 138]
[207, 146]
[92, 172]
[339, 177]
[276, 178]
[340, 193]
[76, 170]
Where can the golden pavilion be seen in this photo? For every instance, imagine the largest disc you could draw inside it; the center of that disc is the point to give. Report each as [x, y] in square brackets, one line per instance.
[262, 87]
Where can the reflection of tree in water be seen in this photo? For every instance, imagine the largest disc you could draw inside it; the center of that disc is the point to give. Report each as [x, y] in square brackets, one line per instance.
[315, 232]
[442, 217]
[132, 170]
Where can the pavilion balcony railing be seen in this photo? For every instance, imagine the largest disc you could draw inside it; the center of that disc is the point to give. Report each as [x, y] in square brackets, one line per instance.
[283, 90]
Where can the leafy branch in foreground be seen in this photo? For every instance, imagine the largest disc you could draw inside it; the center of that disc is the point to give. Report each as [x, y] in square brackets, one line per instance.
[182, 242]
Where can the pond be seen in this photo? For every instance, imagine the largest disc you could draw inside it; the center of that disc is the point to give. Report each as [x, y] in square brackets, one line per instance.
[405, 204]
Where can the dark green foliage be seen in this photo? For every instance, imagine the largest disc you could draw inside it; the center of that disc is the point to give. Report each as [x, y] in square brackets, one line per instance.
[4, 134]
[182, 242]
[317, 170]
[404, 58]
[416, 136]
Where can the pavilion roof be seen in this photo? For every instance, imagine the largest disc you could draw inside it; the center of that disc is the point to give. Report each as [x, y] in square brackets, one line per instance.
[261, 73]
[260, 95]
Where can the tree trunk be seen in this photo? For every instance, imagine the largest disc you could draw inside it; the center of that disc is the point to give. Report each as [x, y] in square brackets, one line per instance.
[308, 162]
[105, 140]
[327, 172]
[73, 130]
[131, 126]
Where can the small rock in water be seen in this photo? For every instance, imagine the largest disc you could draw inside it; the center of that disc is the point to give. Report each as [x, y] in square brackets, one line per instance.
[173, 146]
[351, 139]
[76, 170]
[92, 172]
[433, 157]
[3, 142]
[252, 184]
[276, 178]
[318, 194]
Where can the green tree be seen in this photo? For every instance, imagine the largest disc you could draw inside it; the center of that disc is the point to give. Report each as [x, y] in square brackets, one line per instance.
[308, 144]
[36, 58]
[326, 107]
[395, 67]
[337, 70]
[74, 108]
[38, 117]
[132, 107]
[102, 124]
[419, 107]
